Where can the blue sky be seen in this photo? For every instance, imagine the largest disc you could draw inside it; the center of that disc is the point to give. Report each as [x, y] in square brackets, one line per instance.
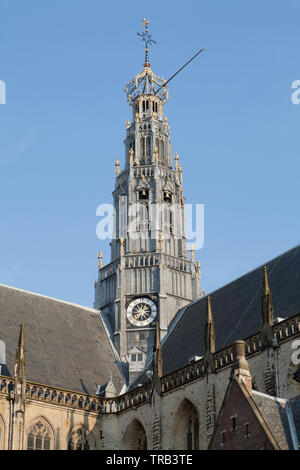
[65, 65]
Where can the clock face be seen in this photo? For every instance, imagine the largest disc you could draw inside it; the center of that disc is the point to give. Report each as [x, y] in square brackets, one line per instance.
[141, 312]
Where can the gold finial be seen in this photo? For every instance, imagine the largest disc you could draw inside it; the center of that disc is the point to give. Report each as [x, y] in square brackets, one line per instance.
[166, 119]
[122, 245]
[180, 173]
[160, 242]
[146, 37]
[192, 253]
[131, 155]
[117, 167]
[266, 281]
[198, 267]
[136, 116]
[100, 259]
[176, 160]
[127, 124]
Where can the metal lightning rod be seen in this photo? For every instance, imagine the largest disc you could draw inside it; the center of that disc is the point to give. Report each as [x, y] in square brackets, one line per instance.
[181, 68]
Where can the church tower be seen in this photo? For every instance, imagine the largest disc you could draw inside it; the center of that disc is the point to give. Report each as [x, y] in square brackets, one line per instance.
[150, 276]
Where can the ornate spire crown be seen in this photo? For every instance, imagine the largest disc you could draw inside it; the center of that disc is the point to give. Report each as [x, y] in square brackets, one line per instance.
[146, 83]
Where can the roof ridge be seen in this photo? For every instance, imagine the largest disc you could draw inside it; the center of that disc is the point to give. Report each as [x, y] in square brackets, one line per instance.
[252, 270]
[90, 309]
[270, 397]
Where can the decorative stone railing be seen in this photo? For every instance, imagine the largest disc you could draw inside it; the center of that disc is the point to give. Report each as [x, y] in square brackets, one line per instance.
[122, 177]
[140, 395]
[182, 376]
[143, 171]
[225, 357]
[140, 261]
[6, 384]
[130, 399]
[154, 259]
[109, 269]
[183, 265]
[63, 397]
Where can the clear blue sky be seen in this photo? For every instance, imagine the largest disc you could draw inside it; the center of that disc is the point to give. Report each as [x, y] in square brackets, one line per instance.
[65, 64]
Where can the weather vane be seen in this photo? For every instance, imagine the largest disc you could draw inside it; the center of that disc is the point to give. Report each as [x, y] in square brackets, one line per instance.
[147, 38]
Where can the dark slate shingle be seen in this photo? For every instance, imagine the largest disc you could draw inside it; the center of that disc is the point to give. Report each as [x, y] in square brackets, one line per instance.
[66, 344]
[236, 310]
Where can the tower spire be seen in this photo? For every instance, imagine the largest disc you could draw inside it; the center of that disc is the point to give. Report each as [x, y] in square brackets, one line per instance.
[267, 310]
[146, 37]
[267, 303]
[20, 356]
[210, 338]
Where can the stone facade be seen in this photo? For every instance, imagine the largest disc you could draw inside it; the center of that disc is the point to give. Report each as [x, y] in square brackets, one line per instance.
[177, 411]
[177, 407]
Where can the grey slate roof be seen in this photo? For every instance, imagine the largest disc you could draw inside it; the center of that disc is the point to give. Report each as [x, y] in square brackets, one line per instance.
[66, 344]
[236, 310]
[274, 412]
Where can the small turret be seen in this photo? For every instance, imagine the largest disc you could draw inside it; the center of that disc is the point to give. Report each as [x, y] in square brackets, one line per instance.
[209, 338]
[267, 312]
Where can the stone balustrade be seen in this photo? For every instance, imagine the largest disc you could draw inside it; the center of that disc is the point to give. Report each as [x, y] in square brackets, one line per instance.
[108, 270]
[63, 397]
[223, 358]
[6, 384]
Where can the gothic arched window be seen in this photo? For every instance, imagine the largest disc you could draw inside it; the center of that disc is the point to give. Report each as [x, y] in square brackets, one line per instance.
[161, 149]
[135, 437]
[142, 147]
[39, 436]
[78, 440]
[142, 217]
[148, 147]
[186, 427]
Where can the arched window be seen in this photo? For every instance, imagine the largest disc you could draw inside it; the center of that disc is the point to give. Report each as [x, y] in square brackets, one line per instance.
[142, 218]
[78, 440]
[142, 147]
[148, 147]
[186, 427]
[135, 436]
[39, 436]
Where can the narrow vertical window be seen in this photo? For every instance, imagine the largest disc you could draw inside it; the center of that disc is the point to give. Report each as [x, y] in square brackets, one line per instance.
[233, 423]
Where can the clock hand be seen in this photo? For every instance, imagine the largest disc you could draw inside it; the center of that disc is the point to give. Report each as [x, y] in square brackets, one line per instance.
[140, 313]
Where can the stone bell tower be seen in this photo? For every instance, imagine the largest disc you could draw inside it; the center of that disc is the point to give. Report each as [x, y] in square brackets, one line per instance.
[150, 276]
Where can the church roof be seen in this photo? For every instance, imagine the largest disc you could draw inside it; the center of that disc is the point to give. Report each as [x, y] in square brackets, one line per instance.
[66, 344]
[236, 310]
[275, 413]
